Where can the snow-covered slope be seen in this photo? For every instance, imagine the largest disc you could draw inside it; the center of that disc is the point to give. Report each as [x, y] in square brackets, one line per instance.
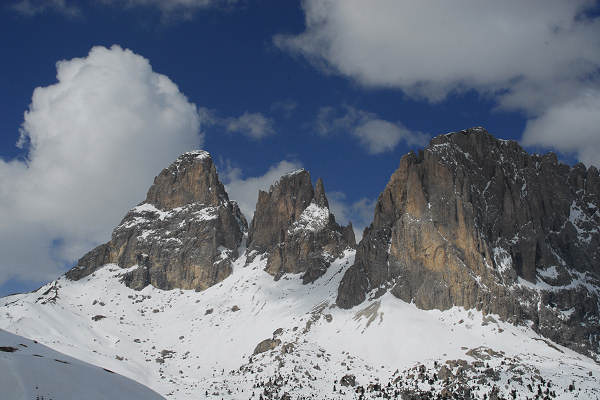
[29, 370]
[186, 344]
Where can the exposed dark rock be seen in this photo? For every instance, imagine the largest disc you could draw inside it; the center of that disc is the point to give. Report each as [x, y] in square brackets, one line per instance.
[185, 235]
[477, 222]
[266, 345]
[292, 224]
[348, 380]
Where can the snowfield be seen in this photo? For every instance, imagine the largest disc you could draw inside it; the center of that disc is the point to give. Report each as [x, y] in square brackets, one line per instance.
[187, 345]
[33, 371]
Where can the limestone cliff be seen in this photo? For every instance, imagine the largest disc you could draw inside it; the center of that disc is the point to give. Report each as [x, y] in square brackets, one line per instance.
[184, 235]
[478, 222]
[294, 229]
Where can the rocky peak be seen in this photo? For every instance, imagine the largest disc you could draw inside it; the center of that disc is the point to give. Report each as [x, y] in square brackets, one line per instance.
[278, 208]
[185, 235]
[192, 178]
[319, 197]
[294, 228]
[477, 222]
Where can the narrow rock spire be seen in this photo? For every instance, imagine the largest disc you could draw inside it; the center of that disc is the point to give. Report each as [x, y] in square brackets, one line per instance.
[320, 198]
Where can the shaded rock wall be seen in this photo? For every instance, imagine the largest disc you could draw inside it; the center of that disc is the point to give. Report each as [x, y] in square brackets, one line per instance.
[477, 222]
[293, 226]
[185, 235]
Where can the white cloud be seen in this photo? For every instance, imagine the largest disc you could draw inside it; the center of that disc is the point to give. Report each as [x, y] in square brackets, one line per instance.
[95, 140]
[254, 125]
[379, 136]
[430, 48]
[32, 8]
[536, 56]
[573, 127]
[373, 133]
[360, 212]
[245, 191]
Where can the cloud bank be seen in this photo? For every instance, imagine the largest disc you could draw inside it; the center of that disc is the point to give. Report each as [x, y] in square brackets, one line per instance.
[95, 140]
[538, 57]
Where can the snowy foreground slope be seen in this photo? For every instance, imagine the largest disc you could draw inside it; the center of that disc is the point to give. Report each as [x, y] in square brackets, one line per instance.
[190, 345]
[30, 370]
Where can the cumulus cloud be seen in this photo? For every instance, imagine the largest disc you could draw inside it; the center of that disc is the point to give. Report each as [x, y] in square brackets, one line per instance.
[32, 8]
[245, 190]
[360, 212]
[435, 47]
[253, 125]
[537, 57]
[573, 126]
[94, 140]
[373, 133]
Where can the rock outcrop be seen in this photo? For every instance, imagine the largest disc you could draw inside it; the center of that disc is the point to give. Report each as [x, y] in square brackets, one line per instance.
[478, 222]
[294, 229]
[184, 235]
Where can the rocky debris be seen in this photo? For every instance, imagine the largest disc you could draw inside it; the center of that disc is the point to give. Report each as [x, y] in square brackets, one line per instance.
[348, 380]
[478, 222]
[266, 345]
[275, 374]
[295, 229]
[184, 235]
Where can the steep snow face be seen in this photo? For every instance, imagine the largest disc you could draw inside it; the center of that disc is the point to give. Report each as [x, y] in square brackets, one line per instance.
[32, 371]
[184, 344]
[314, 218]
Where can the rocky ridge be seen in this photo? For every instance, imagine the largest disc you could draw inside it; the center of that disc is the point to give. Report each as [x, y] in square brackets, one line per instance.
[295, 230]
[184, 235]
[477, 222]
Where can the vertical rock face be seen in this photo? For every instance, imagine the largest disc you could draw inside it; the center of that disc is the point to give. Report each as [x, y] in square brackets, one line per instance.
[477, 222]
[293, 226]
[185, 235]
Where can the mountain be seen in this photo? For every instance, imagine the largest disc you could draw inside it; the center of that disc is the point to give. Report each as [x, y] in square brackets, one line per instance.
[295, 230]
[33, 371]
[478, 278]
[184, 235]
[476, 222]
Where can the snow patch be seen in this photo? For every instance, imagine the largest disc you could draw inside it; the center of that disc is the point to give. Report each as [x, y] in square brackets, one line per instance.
[314, 218]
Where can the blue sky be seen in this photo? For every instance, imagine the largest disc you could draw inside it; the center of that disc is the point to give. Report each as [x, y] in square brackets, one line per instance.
[337, 88]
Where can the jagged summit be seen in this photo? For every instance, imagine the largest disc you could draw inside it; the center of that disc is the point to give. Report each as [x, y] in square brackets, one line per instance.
[477, 222]
[192, 178]
[187, 231]
[295, 229]
[319, 197]
[185, 234]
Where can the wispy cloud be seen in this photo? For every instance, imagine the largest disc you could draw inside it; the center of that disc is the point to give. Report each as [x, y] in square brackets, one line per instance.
[253, 125]
[375, 135]
[30, 8]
